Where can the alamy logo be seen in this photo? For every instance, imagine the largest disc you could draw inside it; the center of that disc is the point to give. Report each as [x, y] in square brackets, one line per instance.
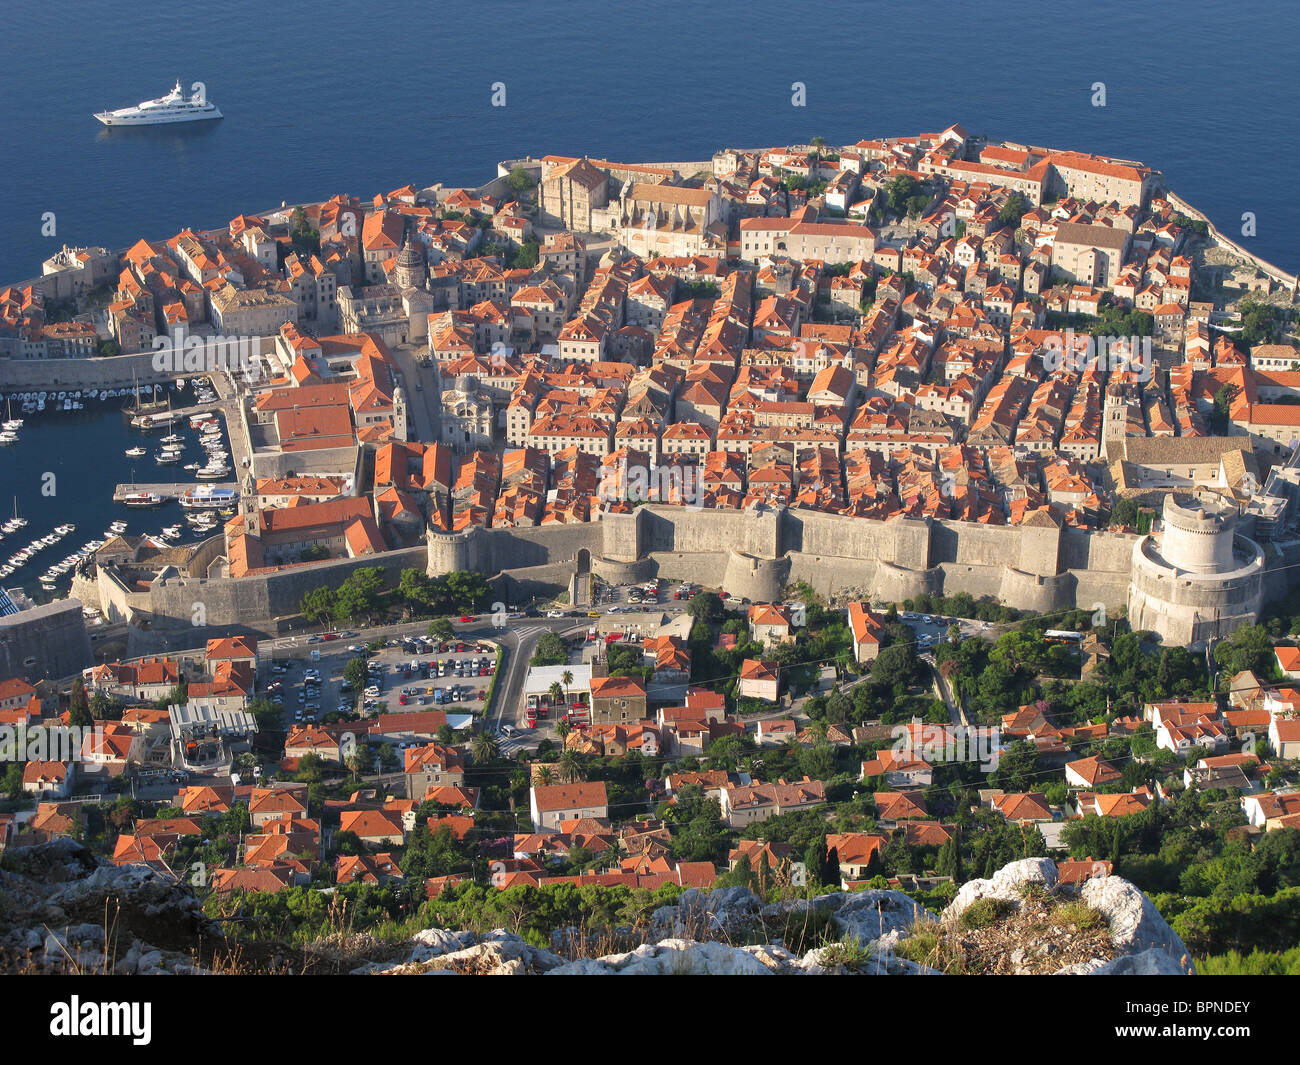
[120, 1019]
[640, 484]
[1079, 353]
[40, 743]
[184, 353]
[948, 743]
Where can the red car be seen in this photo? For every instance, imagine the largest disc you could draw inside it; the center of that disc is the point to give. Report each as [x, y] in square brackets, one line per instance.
[466, 618]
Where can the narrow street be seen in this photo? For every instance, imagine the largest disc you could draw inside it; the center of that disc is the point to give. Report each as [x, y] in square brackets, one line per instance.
[421, 394]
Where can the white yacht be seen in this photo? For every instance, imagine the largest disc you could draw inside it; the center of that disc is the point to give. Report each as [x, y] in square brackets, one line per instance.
[174, 107]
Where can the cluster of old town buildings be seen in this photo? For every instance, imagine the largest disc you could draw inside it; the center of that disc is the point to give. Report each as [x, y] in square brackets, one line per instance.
[761, 330]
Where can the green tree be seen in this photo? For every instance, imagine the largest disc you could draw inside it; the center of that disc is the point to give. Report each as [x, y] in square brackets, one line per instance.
[518, 179]
[484, 747]
[526, 256]
[466, 590]
[814, 860]
[1221, 414]
[100, 707]
[78, 706]
[1249, 647]
[317, 604]
[706, 606]
[898, 190]
[1013, 210]
[415, 588]
[551, 650]
[358, 595]
[571, 766]
[355, 673]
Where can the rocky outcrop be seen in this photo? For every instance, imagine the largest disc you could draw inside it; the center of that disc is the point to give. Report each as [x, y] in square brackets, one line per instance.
[437, 950]
[63, 911]
[1008, 884]
[1145, 942]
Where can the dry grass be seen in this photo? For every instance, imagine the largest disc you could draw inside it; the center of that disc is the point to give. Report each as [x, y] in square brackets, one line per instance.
[996, 937]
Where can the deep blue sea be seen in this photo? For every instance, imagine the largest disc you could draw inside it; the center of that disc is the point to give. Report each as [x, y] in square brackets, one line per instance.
[335, 97]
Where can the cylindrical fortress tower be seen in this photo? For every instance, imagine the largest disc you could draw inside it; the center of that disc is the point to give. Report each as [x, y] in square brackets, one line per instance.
[1195, 579]
[1197, 536]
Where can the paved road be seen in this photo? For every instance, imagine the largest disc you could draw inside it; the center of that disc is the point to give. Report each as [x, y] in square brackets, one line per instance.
[956, 710]
[518, 640]
[421, 403]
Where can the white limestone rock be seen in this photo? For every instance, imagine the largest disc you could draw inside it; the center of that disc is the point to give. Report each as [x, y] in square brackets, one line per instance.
[672, 957]
[869, 915]
[1007, 884]
[1136, 926]
[726, 913]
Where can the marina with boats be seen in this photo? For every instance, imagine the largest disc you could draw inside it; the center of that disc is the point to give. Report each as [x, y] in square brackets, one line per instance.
[89, 437]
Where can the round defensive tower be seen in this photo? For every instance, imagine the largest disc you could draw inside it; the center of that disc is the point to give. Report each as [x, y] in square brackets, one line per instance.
[1198, 536]
[1194, 578]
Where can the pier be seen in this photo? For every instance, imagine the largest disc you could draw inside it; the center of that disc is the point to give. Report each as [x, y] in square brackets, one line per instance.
[169, 491]
[160, 412]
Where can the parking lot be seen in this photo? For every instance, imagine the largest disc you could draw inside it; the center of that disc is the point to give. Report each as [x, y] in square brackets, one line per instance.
[665, 595]
[932, 629]
[411, 674]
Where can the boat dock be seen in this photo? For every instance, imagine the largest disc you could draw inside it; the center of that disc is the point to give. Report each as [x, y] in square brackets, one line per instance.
[161, 412]
[169, 491]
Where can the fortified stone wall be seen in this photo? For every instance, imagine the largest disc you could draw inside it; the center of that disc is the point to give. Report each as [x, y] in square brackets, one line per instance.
[902, 541]
[47, 641]
[753, 555]
[684, 530]
[1098, 551]
[491, 551]
[263, 597]
[1094, 589]
[756, 554]
[116, 371]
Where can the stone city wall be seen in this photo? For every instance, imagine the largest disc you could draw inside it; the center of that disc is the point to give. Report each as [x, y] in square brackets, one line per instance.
[757, 554]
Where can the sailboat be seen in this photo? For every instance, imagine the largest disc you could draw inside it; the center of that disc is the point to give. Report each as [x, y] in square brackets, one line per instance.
[15, 523]
[11, 424]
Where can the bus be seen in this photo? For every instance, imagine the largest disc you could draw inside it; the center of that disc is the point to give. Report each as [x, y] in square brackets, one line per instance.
[1063, 636]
